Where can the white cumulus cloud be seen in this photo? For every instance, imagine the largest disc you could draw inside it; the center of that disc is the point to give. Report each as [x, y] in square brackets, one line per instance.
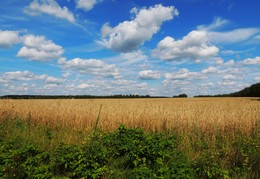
[210, 70]
[133, 57]
[18, 76]
[219, 61]
[38, 48]
[29, 76]
[53, 80]
[251, 61]
[149, 75]
[90, 66]
[85, 86]
[9, 38]
[50, 7]
[229, 63]
[193, 46]
[184, 74]
[86, 5]
[129, 35]
[229, 77]
[227, 83]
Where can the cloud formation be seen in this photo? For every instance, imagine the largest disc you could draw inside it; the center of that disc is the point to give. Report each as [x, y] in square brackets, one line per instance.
[149, 75]
[184, 74]
[129, 35]
[86, 5]
[229, 63]
[90, 66]
[210, 70]
[50, 7]
[227, 37]
[53, 80]
[29, 76]
[193, 46]
[229, 77]
[251, 61]
[234, 36]
[38, 48]
[18, 76]
[8, 38]
[217, 23]
[133, 57]
[85, 86]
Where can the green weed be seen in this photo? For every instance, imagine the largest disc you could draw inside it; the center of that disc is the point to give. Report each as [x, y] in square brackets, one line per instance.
[124, 153]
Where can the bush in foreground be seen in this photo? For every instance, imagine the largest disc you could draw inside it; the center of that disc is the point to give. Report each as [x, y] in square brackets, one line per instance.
[124, 153]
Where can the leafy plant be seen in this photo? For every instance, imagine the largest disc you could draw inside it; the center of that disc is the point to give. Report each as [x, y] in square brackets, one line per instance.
[25, 162]
[147, 155]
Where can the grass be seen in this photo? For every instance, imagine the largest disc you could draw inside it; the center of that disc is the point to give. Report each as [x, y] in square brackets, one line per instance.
[218, 137]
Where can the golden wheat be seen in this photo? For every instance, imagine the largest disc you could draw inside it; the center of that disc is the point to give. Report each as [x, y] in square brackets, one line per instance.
[182, 115]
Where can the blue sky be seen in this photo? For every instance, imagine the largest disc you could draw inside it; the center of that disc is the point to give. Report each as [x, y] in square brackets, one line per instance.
[106, 47]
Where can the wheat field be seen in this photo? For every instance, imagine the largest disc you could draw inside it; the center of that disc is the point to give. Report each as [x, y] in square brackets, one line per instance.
[208, 115]
[206, 126]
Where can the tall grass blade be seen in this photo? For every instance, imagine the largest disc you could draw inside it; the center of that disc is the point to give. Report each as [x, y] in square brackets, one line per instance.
[97, 120]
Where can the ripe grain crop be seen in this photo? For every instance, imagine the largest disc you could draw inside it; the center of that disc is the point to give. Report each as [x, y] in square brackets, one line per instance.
[219, 136]
[207, 115]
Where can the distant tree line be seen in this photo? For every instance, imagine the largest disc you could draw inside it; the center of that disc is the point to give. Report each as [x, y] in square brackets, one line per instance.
[181, 96]
[76, 96]
[252, 91]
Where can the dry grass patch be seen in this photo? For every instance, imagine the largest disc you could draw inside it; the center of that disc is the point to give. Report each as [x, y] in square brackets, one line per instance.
[182, 115]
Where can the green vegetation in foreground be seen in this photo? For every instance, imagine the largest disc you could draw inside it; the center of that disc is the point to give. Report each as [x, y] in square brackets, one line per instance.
[28, 150]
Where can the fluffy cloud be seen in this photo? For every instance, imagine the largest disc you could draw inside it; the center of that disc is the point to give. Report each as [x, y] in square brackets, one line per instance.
[3, 80]
[18, 76]
[53, 80]
[50, 7]
[210, 70]
[227, 83]
[38, 48]
[229, 63]
[128, 87]
[229, 77]
[129, 35]
[26, 82]
[235, 71]
[133, 57]
[193, 46]
[85, 86]
[128, 59]
[90, 66]
[8, 38]
[149, 75]
[85, 4]
[110, 86]
[184, 74]
[251, 61]
[219, 61]
[29, 76]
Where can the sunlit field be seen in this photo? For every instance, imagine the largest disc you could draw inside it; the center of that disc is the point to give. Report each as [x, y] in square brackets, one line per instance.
[181, 115]
[217, 128]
